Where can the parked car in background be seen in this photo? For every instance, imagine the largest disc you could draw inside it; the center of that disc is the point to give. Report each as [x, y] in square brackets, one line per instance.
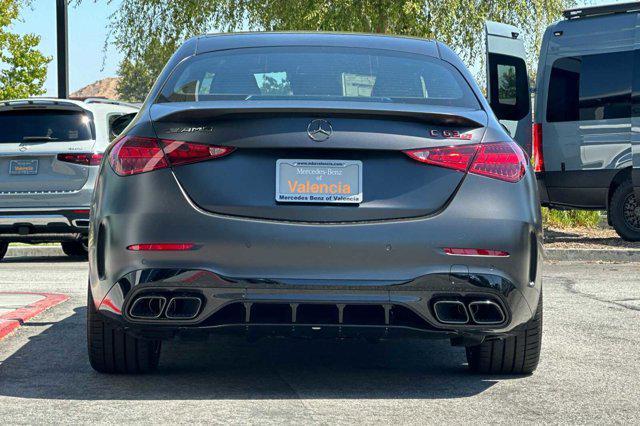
[326, 185]
[50, 150]
[586, 139]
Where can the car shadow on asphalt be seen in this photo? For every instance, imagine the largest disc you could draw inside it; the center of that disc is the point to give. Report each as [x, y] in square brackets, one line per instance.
[54, 365]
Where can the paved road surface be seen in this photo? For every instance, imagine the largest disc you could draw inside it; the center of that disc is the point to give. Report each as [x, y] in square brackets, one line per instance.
[590, 369]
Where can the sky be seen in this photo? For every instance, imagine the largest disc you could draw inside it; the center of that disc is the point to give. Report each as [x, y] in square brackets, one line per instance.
[87, 34]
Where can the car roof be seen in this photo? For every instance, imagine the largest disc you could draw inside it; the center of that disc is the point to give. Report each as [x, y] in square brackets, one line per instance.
[220, 41]
[105, 106]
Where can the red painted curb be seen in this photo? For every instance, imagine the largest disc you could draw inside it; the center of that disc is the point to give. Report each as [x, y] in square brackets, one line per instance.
[14, 319]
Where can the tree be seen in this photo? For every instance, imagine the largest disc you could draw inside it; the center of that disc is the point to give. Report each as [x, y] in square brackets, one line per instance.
[140, 74]
[23, 68]
[139, 24]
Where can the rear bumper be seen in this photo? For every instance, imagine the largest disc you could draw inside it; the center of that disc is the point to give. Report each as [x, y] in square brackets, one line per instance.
[248, 262]
[43, 225]
[383, 309]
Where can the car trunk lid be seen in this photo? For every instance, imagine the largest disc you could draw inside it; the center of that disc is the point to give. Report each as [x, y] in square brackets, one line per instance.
[243, 183]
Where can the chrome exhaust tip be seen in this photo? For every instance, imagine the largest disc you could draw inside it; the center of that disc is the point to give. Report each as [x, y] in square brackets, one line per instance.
[451, 312]
[80, 223]
[486, 312]
[147, 307]
[183, 307]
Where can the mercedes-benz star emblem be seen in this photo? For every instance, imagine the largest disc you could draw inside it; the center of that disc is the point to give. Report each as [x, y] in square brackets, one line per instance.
[319, 130]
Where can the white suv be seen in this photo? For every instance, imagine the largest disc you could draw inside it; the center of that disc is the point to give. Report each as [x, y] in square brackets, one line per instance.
[50, 150]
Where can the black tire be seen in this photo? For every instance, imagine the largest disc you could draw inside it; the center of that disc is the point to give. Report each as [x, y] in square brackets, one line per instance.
[517, 354]
[74, 249]
[4, 246]
[113, 351]
[624, 212]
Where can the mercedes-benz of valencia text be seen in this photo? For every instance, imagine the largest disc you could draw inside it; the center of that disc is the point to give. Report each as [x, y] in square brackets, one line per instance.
[316, 184]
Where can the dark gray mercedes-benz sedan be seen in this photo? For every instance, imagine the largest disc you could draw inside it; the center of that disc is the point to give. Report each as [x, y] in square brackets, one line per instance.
[316, 185]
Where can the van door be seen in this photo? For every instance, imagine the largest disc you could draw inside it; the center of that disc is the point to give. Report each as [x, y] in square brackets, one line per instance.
[508, 81]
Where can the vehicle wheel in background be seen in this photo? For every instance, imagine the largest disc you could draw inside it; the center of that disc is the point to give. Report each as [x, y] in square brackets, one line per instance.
[624, 212]
[112, 350]
[74, 249]
[517, 354]
[4, 246]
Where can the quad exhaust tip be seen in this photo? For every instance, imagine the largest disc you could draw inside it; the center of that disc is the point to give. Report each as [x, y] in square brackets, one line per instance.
[451, 312]
[148, 307]
[183, 307]
[156, 307]
[480, 312]
[486, 312]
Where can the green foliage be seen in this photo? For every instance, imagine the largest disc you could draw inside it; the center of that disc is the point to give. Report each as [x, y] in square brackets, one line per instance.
[570, 218]
[139, 24]
[23, 68]
[139, 75]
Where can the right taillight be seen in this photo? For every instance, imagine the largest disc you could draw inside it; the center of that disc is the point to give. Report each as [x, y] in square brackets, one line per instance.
[498, 160]
[537, 156]
[133, 154]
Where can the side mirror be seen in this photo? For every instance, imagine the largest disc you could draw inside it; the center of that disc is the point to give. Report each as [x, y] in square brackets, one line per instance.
[119, 123]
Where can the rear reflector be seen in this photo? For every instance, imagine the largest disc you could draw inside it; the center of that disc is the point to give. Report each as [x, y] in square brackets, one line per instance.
[81, 211]
[498, 160]
[132, 154]
[475, 252]
[537, 156]
[162, 247]
[83, 158]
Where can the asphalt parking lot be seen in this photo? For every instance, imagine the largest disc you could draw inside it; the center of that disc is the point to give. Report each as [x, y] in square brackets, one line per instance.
[589, 371]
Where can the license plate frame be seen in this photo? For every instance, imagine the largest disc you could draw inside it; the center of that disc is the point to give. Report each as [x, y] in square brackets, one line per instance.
[323, 181]
[23, 167]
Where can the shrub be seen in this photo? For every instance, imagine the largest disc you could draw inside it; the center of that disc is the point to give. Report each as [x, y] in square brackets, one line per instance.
[570, 218]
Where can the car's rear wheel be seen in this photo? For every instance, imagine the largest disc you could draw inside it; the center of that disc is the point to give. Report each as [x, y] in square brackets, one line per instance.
[4, 246]
[74, 249]
[113, 351]
[517, 354]
[624, 212]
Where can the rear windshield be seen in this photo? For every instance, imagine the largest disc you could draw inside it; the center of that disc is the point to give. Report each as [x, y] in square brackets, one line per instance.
[44, 126]
[317, 73]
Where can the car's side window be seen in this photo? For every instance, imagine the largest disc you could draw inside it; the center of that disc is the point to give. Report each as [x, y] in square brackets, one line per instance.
[590, 87]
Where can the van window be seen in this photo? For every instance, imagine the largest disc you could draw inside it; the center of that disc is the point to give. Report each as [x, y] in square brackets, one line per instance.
[590, 87]
[509, 85]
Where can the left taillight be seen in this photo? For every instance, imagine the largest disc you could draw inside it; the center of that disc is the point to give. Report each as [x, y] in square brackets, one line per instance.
[83, 158]
[133, 155]
[498, 160]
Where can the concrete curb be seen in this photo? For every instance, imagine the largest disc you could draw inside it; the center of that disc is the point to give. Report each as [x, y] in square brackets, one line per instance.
[34, 251]
[14, 319]
[593, 255]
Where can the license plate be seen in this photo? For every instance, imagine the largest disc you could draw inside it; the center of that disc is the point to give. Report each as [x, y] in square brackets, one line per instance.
[23, 167]
[319, 181]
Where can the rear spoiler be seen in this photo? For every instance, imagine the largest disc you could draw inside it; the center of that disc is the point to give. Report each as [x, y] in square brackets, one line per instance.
[431, 114]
